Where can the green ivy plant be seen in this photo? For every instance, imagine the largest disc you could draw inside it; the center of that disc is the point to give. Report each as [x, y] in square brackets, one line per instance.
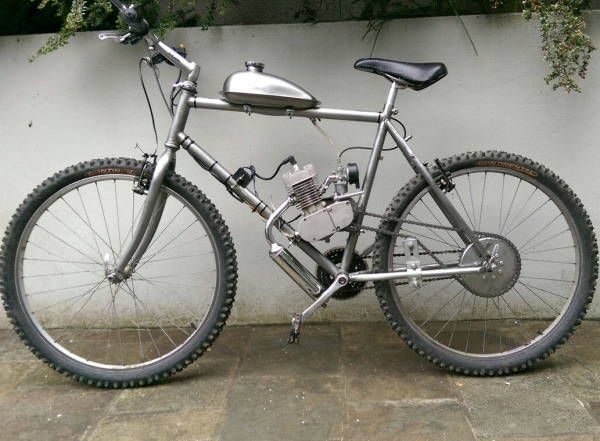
[565, 45]
[78, 15]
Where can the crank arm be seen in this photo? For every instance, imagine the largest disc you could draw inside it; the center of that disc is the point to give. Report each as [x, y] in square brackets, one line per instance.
[339, 282]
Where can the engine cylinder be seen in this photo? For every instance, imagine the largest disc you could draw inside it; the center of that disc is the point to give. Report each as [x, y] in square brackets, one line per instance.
[301, 186]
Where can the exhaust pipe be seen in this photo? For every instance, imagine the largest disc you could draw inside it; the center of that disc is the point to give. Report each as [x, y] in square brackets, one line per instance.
[286, 260]
[297, 272]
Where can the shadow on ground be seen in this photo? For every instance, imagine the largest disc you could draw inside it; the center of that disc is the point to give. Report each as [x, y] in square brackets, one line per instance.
[345, 382]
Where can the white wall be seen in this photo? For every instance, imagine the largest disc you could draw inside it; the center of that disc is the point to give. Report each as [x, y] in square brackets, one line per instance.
[84, 102]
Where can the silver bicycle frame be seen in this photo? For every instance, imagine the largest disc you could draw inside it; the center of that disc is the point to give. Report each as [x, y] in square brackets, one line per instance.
[176, 139]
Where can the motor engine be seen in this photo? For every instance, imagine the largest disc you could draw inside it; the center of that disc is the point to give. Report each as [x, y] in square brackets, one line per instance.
[323, 216]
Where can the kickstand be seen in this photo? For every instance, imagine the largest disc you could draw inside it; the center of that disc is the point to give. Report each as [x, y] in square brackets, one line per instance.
[295, 330]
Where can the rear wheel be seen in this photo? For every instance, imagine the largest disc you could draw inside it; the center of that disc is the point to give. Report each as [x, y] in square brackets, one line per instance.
[491, 323]
[133, 332]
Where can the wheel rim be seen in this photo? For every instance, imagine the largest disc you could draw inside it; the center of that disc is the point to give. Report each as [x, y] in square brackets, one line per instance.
[61, 280]
[550, 251]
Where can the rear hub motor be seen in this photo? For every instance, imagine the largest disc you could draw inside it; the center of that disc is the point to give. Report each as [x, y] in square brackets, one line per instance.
[504, 267]
[353, 288]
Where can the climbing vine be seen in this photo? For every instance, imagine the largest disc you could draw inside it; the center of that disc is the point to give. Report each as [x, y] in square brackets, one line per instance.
[565, 45]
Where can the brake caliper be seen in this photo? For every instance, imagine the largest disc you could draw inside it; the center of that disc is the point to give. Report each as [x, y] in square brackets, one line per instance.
[143, 183]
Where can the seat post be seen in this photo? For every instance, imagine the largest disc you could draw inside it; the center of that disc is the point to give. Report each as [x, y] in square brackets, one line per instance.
[391, 100]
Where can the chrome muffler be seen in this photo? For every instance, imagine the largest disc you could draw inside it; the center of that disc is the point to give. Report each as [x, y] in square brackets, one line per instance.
[297, 272]
[286, 260]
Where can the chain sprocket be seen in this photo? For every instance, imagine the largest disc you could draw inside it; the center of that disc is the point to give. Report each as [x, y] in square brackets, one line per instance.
[352, 288]
[426, 251]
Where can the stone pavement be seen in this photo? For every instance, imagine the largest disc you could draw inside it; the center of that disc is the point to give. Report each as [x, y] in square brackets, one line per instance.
[345, 381]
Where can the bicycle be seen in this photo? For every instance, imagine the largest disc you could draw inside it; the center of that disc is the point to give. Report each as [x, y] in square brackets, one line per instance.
[120, 272]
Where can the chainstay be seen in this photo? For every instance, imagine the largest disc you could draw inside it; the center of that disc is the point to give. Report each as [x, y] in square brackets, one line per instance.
[437, 279]
[427, 251]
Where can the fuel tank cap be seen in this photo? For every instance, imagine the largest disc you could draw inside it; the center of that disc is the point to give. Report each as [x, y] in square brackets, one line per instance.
[255, 66]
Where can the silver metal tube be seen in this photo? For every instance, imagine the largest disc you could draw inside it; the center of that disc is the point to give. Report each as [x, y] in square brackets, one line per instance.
[162, 166]
[207, 162]
[339, 282]
[285, 260]
[151, 229]
[318, 113]
[295, 270]
[370, 175]
[187, 66]
[375, 277]
[274, 218]
[451, 213]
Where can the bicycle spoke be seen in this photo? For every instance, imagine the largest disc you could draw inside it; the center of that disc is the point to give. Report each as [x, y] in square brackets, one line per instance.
[117, 324]
[117, 212]
[482, 199]
[481, 325]
[112, 249]
[464, 208]
[510, 207]
[96, 235]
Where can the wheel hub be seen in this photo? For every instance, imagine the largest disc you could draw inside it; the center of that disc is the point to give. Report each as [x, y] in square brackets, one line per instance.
[111, 273]
[502, 269]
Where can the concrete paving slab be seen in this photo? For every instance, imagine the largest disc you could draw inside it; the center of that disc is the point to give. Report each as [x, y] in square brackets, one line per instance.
[552, 438]
[393, 375]
[196, 424]
[374, 335]
[379, 366]
[252, 386]
[318, 353]
[232, 343]
[424, 420]
[583, 378]
[203, 384]
[12, 348]
[291, 408]
[51, 413]
[11, 374]
[531, 404]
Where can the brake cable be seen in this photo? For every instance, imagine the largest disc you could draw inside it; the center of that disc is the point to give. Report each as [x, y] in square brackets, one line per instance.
[145, 60]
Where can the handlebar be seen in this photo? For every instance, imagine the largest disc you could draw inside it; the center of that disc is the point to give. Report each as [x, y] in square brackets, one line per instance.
[138, 29]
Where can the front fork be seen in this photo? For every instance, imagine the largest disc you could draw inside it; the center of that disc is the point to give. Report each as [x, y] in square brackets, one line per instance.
[148, 220]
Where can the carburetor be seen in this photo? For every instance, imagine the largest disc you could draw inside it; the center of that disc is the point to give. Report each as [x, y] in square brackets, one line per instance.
[322, 216]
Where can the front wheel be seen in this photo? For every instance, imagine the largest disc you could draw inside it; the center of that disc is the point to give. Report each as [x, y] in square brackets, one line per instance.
[54, 260]
[488, 324]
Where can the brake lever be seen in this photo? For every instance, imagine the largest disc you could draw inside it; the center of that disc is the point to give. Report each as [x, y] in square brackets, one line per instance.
[116, 36]
[128, 38]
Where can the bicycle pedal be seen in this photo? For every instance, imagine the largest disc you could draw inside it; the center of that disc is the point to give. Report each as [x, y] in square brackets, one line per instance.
[294, 336]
